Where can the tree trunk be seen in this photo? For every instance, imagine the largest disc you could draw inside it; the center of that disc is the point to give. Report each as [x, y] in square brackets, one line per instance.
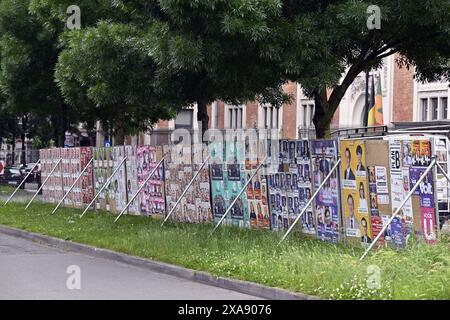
[63, 129]
[320, 119]
[23, 159]
[202, 116]
[119, 126]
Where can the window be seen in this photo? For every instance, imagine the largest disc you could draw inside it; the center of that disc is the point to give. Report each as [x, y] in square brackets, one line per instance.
[444, 108]
[235, 117]
[305, 112]
[308, 113]
[311, 114]
[434, 107]
[270, 117]
[184, 119]
[424, 109]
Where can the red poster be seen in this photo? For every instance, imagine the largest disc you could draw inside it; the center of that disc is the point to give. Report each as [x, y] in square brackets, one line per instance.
[377, 225]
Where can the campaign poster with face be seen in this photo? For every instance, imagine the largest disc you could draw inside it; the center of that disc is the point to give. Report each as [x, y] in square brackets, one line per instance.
[257, 190]
[100, 177]
[218, 178]
[108, 169]
[326, 203]
[119, 182]
[290, 187]
[201, 185]
[131, 175]
[234, 178]
[176, 179]
[151, 197]
[86, 183]
[44, 155]
[355, 191]
[57, 176]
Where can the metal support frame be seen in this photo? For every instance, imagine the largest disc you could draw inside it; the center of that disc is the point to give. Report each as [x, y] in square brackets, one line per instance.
[186, 189]
[432, 164]
[443, 172]
[45, 181]
[239, 194]
[72, 186]
[308, 204]
[23, 181]
[104, 185]
[140, 188]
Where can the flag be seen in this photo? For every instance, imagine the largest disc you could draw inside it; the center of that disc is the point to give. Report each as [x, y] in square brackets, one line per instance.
[375, 117]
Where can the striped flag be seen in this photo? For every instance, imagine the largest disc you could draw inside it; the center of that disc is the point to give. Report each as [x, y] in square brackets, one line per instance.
[375, 117]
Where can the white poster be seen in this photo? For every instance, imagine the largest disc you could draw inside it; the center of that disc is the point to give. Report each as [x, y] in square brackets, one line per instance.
[381, 180]
[407, 208]
[395, 156]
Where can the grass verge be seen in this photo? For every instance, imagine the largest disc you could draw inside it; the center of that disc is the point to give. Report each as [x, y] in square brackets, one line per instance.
[299, 264]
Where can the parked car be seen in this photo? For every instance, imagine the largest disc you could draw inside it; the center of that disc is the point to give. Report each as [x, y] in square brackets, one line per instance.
[35, 176]
[12, 176]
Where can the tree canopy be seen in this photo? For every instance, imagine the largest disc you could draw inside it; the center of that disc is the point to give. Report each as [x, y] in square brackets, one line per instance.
[137, 61]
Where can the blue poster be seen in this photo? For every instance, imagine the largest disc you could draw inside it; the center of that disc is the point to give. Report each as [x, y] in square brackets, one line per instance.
[397, 236]
[326, 203]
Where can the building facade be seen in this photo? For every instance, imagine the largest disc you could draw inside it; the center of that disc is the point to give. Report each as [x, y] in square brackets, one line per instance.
[406, 103]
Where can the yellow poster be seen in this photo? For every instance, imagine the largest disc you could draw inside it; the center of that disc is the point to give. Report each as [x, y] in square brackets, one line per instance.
[355, 191]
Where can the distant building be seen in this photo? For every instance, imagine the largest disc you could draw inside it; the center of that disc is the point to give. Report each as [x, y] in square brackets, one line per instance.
[406, 103]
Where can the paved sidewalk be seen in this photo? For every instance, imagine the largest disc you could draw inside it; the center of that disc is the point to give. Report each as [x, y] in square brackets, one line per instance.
[33, 271]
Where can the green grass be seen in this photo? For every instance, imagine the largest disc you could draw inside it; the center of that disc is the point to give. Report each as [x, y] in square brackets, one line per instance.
[6, 190]
[299, 264]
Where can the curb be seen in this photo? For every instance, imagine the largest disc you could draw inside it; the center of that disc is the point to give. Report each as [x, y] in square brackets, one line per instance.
[241, 286]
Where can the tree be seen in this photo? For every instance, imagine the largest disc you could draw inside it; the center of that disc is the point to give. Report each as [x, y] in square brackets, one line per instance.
[321, 44]
[28, 57]
[106, 63]
[148, 63]
[330, 44]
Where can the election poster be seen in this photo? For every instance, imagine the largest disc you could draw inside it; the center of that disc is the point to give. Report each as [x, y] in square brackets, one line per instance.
[228, 178]
[151, 197]
[119, 183]
[86, 184]
[257, 188]
[181, 164]
[326, 203]
[290, 187]
[131, 177]
[429, 225]
[354, 191]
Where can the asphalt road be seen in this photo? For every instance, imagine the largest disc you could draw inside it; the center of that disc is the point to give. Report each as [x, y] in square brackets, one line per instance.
[33, 271]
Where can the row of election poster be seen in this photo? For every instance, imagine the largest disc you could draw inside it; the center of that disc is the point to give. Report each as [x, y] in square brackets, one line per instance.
[73, 161]
[52, 191]
[374, 178]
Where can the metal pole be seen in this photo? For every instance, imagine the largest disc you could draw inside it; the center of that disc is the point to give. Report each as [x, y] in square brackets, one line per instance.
[443, 172]
[185, 190]
[239, 194]
[73, 185]
[23, 181]
[140, 188]
[104, 186]
[42, 185]
[310, 201]
[432, 164]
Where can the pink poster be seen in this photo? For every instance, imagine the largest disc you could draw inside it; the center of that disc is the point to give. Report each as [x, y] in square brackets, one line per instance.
[429, 225]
